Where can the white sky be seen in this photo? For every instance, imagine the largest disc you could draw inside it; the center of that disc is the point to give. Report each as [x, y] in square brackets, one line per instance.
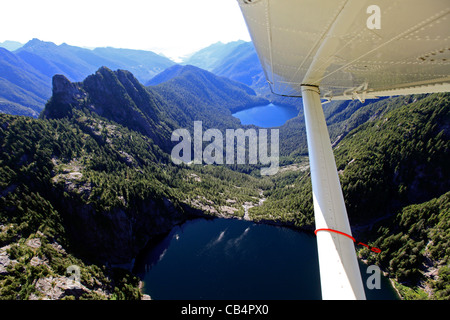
[172, 27]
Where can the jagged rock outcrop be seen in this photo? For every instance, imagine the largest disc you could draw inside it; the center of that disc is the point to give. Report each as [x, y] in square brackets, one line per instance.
[114, 95]
[5, 260]
[56, 288]
[66, 95]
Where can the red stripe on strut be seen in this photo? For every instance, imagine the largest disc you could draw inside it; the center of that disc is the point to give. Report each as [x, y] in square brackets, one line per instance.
[373, 249]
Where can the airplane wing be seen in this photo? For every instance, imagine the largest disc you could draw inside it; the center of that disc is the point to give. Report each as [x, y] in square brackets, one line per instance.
[352, 48]
[346, 49]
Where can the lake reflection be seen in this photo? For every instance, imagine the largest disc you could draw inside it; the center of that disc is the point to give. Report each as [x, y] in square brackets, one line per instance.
[234, 259]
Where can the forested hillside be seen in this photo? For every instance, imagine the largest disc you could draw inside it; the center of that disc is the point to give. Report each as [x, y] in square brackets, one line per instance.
[92, 169]
[396, 158]
[416, 249]
[394, 173]
[86, 191]
[193, 94]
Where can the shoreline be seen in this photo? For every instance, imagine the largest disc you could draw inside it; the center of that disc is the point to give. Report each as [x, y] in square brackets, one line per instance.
[306, 229]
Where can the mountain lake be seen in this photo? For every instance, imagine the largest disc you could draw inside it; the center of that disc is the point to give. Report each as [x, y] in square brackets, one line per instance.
[231, 259]
[267, 116]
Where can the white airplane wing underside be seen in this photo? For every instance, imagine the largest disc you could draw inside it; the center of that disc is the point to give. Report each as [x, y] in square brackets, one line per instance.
[352, 48]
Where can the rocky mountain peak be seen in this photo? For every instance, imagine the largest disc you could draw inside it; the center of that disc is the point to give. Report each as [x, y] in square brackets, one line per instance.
[66, 96]
[62, 85]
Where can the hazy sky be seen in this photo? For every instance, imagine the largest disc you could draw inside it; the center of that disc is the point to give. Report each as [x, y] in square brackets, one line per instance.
[172, 27]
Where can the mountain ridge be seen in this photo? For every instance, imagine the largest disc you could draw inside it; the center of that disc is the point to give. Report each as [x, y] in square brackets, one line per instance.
[208, 57]
[76, 63]
[11, 45]
[199, 95]
[115, 95]
[23, 89]
[26, 83]
[192, 95]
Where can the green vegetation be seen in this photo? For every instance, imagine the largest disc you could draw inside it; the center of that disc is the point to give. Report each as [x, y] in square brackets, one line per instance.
[198, 95]
[289, 195]
[416, 248]
[380, 170]
[399, 159]
[395, 161]
[28, 210]
[96, 165]
[50, 168]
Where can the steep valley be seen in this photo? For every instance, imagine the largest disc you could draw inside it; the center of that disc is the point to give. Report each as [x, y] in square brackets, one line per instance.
[91, 181]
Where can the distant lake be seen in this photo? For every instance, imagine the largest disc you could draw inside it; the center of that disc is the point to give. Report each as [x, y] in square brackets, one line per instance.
[235, 259]
[267, 116]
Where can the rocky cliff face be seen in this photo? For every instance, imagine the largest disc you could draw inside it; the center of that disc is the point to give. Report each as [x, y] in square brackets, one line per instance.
[67, 92]
[66, 95]
[117, 236]
[115, 95]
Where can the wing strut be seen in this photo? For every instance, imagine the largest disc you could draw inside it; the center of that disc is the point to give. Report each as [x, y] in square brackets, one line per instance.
[340, 276]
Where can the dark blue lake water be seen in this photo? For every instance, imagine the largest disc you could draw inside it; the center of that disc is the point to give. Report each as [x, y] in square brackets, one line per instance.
[267, 116]
[235, 259]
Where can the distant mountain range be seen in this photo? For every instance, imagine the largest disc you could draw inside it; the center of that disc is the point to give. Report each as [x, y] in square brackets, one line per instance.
[10, 45]
[210, 57]
[235, 60]
[23, 89]
[26, 70]
[26, 74]
[77, 63]
[239, 61]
